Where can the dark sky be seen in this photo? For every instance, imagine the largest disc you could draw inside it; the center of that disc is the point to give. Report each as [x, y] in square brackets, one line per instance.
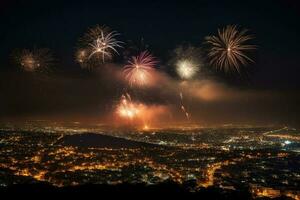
[163, 24]
[57, 25]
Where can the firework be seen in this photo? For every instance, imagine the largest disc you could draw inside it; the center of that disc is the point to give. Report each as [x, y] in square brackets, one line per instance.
[227, 50]
[93, 33]
[36, 60]
[186, 69]
[104, 46]
[138, 114]
[98, 43]
[81, 56]
[188, 61]
[139, 68]
[127, 109]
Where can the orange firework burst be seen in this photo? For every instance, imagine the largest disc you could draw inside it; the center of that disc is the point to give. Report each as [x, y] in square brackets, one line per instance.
[139, 68]
[138, 114]
[227, 50]
[127, 109]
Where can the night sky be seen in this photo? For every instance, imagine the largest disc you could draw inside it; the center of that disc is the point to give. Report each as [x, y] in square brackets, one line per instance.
[163, 25]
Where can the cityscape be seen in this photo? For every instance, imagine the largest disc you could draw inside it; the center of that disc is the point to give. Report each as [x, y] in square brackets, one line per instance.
[264, 160]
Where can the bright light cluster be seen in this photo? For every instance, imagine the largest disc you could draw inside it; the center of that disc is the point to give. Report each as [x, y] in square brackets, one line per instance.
[186, 69]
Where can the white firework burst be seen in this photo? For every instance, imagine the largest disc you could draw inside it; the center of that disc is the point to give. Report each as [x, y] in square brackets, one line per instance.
[105, 45]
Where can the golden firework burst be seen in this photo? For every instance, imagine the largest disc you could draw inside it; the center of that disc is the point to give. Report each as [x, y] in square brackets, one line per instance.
[228, 50]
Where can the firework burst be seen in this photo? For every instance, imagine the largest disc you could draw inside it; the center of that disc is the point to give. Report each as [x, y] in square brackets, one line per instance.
[36, 60]
[227, 50]
[127, 109]
[186, 69]
[81, 56]
[98, 44]
[93, 33]
[139, 68]
[187, 60]
[105, 45]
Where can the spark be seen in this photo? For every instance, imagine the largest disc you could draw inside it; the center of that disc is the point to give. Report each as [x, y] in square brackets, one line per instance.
[186, 69]
[227, 50]
[139, 68]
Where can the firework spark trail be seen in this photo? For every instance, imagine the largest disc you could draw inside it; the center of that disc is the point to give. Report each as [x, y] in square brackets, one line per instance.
[183, 107]
[139, 68]
[227, 50]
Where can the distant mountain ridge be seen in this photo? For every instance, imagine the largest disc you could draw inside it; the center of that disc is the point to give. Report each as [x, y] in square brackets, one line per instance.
[102, 141]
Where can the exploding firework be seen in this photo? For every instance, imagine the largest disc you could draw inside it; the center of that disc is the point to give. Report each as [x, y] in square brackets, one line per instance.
[127, 109]
[104, 46]
[93, 33]
[188, 61]
[98, 43]
[32, 61]
[227, 50]
[134, 113]
[186, 69]
[139, 69]
[81, 56]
